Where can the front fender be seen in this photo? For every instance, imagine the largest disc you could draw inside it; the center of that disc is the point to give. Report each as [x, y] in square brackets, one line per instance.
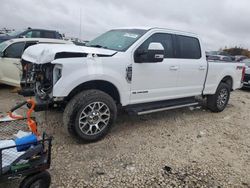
[80, 71]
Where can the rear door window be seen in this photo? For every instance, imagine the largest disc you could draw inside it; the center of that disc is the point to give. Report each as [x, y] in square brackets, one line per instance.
[15, 50]
[36, 34]
[188, 47]
[48, 34]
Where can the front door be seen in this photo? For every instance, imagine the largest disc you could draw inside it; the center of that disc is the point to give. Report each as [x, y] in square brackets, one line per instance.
[155, 81]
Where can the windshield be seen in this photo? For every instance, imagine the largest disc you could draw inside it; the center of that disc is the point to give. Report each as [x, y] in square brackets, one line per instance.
[14, 33]
[3, 45]
[247, 62]
[119, 40]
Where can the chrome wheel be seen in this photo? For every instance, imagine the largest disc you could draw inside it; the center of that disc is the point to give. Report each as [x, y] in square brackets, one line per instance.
[222, 98]
[94, 118]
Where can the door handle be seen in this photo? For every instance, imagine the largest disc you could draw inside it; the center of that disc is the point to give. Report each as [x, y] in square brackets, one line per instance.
[174, 68]
[202, 68]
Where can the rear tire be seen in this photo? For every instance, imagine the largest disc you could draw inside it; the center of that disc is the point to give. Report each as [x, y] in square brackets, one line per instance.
[219, 101]
[90, 115]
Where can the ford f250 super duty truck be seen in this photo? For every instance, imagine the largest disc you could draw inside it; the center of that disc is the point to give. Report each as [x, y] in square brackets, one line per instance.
[142, 70]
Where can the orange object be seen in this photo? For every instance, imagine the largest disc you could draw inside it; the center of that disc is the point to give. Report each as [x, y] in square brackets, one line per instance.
[14, 116]
[30, 122]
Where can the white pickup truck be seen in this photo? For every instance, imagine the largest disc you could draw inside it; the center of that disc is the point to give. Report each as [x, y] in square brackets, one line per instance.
[142, 70]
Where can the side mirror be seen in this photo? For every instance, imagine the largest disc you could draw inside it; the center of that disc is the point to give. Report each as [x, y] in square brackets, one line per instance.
[154, 54]
[1, 54]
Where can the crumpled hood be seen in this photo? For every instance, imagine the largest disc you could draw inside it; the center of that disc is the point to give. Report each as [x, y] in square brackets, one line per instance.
[45, 53]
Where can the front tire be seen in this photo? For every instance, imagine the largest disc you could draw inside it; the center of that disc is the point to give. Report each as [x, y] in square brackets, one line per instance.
[90, 115]
[219, 101]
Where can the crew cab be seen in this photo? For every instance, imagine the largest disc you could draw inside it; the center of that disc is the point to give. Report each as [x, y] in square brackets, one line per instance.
[141, 70]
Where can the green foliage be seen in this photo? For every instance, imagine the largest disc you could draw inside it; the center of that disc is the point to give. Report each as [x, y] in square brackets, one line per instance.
[237, 51]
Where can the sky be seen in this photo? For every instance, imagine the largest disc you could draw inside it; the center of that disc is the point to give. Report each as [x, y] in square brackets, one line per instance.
[220, 23]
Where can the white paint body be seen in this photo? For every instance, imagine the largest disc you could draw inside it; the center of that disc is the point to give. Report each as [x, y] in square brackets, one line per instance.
[170, 79]
[10, 68]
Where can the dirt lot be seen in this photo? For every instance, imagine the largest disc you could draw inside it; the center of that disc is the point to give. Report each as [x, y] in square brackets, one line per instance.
[184, 148]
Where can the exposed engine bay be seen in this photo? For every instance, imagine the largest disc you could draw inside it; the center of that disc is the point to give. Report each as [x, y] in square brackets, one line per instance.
[37, 79]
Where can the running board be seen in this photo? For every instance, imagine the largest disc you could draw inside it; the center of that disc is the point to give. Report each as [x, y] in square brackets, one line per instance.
[167, 108]
[146, 108]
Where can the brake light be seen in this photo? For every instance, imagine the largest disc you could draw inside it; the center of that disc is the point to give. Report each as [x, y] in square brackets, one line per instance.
[243, 73]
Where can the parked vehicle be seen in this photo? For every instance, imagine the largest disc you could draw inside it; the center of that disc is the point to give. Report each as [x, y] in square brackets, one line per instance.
[5, 30]
[10, 56]
[31, 33]
[247, 73]
[240, 58]
[143, 70]
[220, 55]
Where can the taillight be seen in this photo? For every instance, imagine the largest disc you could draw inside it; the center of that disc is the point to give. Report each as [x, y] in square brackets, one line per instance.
[243, 73]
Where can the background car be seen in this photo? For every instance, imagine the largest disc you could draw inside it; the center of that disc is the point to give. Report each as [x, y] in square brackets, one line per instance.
[31, 33]
[246, 83]
[221, 55]
[10, 55]
[240, 58]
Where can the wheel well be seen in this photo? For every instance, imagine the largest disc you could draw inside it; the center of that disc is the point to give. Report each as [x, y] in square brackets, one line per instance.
[228, 80]
[104, 86]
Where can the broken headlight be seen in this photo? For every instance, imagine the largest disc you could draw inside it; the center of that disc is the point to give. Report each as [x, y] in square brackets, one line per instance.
[57, 73]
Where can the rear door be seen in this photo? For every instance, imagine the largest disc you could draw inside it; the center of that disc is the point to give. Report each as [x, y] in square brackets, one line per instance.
[193, 66]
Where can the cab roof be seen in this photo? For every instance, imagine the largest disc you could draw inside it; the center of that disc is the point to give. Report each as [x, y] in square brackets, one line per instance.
[161, 28]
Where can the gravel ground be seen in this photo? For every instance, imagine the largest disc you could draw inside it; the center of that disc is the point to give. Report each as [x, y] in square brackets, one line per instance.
[178, 148]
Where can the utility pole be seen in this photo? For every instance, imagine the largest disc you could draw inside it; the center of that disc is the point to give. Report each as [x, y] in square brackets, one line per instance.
[80, 32]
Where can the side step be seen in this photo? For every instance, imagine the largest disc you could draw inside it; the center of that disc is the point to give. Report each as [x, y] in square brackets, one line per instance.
[146, 108]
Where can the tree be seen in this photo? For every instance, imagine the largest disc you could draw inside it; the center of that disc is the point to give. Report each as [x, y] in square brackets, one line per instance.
[237, 51]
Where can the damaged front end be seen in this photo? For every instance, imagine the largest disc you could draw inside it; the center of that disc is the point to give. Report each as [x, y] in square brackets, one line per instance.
[41, 73]
[38, 80]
